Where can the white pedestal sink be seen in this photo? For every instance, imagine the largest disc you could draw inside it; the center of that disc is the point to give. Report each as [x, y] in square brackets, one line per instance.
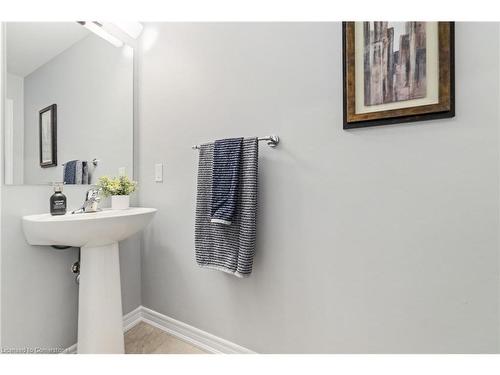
[100, 325]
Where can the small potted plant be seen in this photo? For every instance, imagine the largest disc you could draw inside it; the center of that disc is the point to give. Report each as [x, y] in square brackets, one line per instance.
[119, 188]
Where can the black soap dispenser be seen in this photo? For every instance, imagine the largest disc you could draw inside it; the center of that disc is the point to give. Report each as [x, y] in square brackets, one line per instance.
[58, 201]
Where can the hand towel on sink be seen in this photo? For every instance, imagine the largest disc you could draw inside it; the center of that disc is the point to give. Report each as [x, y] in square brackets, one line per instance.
[226, 170]
[228, 248]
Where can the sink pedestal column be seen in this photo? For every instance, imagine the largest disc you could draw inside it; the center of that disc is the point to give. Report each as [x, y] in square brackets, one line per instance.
[100, 318]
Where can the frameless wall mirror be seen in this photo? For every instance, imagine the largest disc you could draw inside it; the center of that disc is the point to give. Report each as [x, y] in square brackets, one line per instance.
[68, 104]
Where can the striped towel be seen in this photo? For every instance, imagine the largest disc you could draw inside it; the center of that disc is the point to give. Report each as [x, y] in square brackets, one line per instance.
[226, 173]
[75, 172]
[85, 173]
[229, 248]
[69, 173]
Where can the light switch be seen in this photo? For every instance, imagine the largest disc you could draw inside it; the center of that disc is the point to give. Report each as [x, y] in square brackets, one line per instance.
[121, 171]
[159, 172]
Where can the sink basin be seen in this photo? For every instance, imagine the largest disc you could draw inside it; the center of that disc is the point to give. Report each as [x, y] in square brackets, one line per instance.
[88, 229]
[100, 322]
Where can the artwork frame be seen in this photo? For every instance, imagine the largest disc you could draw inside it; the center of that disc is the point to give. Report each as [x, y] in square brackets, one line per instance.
[443, 81]
[47, 122]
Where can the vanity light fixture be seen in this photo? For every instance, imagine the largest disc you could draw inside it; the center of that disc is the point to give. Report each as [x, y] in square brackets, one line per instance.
[132, 29]
[97, 29]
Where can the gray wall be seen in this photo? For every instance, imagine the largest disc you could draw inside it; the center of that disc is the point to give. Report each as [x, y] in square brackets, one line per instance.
[2, 97]
[92, 84]
[374, 240]
[15, 91]
[39, 297]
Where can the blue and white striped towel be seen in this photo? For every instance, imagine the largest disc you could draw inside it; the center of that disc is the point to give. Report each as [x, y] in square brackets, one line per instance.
[228, 248]
[226, 170]
[70, 172]
[75, 172]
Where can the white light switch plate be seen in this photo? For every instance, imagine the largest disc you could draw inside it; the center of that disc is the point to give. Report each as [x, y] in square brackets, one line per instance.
[121, 171]
[159, 172]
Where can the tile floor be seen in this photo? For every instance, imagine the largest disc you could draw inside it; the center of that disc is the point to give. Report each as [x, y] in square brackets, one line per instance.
[146, 339]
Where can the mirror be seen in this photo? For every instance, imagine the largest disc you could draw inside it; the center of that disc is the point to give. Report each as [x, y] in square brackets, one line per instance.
[68, 105]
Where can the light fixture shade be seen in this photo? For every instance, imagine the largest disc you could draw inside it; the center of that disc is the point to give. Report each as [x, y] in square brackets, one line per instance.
[132, 29]
[97, 29]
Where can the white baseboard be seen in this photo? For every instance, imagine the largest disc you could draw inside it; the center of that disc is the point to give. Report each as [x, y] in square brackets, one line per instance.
[194, 336]
[132, 319]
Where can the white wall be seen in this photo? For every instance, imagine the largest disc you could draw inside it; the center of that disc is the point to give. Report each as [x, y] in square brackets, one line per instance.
[2, 103]
[15, 91]
[92, 85]
[375, 240]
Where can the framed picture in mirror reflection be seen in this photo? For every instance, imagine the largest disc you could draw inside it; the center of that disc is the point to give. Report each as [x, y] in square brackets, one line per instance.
[48, 136]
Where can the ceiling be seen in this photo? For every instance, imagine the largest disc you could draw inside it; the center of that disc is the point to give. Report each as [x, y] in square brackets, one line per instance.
[32, 44]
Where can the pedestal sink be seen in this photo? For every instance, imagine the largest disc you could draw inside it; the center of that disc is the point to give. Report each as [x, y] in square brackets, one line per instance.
[100, 325]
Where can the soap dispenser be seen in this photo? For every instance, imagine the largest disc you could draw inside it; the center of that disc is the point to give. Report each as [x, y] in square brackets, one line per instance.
[58, 201]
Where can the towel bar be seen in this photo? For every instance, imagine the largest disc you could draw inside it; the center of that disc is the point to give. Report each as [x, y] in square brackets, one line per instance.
[94, 162]
[272, 141]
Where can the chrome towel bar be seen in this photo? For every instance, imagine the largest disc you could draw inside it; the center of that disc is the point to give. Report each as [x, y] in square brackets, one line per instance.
[94, 162]
[272, 141]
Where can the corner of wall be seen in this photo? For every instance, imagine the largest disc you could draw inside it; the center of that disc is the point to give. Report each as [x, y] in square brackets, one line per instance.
[136, 121]
[498, 208]
[2, 76]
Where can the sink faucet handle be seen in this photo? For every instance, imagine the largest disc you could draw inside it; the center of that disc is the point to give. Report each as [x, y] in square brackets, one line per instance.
[93, 193]
[92, 199]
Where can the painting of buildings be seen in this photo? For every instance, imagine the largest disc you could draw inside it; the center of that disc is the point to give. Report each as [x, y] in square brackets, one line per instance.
[394, 58]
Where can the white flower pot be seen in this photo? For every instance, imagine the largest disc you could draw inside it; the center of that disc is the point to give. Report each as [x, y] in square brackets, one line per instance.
[120, 202]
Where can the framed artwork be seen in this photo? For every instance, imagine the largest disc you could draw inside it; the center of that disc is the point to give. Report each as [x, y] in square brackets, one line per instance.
[396, 72]
[48, 136]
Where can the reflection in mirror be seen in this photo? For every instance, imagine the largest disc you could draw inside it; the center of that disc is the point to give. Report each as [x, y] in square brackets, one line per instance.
[68, 105]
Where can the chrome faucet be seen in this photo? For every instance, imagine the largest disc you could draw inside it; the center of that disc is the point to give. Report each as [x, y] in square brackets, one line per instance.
[91, 203]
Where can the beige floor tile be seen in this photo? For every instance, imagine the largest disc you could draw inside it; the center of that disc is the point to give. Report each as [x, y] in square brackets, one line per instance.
[146, 339]
[175, 346]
